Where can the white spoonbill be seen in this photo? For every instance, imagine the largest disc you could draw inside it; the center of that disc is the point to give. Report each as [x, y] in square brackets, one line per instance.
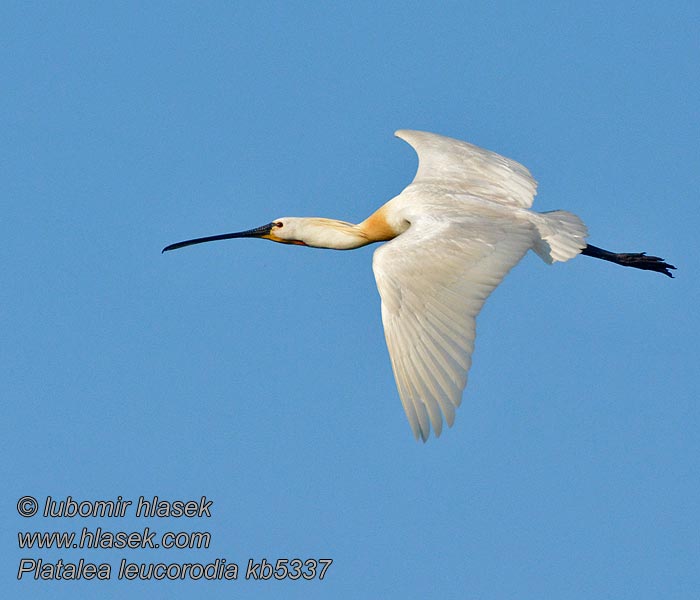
[453, 234]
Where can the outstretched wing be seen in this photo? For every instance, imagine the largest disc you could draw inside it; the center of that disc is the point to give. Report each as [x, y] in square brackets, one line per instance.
[433, 280]
[461, 167]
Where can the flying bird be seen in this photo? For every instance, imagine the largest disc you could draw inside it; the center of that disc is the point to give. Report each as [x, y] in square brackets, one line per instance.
[452, 235]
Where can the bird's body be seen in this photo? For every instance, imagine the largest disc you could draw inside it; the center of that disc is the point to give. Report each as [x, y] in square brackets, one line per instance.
[452, 234]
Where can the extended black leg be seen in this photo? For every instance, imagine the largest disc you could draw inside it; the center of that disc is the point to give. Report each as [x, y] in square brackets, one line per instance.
[638, 260]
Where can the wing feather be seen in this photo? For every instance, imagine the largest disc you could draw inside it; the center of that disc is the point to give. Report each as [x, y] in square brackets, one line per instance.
[433, 280]
[458, 166]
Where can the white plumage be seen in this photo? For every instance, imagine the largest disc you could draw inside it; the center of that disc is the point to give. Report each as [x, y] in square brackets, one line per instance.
[469, 227]
[453, 234]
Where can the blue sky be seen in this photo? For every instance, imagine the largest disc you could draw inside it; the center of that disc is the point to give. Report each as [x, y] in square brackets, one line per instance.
[256, 374]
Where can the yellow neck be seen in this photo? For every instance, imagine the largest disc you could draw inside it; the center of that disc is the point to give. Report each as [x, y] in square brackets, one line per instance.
[340, 235]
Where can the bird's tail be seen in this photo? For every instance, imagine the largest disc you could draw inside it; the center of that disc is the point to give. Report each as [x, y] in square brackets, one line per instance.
[562, 236]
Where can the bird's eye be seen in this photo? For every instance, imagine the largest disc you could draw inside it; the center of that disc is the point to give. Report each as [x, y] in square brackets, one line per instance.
[278, 224]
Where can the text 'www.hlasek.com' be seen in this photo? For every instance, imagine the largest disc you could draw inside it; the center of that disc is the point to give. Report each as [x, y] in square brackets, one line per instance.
[92, 538]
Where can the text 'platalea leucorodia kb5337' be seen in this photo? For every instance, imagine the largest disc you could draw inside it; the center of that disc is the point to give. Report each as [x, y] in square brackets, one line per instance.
[453, 234]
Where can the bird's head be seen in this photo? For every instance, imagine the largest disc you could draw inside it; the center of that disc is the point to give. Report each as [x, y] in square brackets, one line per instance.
[287, 230]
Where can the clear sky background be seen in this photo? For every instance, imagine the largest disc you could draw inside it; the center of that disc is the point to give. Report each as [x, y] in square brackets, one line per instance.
[257, 374]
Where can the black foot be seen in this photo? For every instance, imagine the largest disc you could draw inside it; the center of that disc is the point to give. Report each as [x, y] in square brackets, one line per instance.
[637, 260]
[640, 260]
